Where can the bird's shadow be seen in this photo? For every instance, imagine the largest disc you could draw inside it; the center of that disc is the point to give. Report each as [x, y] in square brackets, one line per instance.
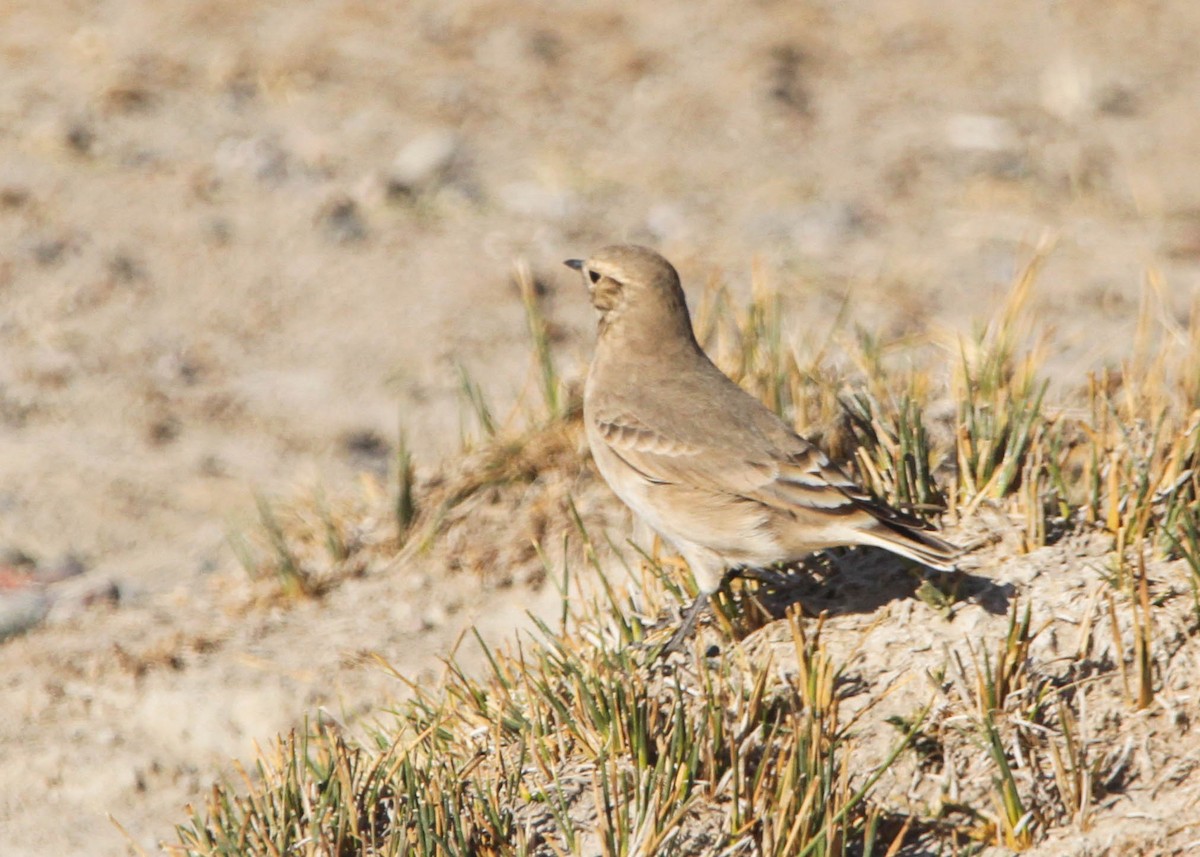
[861, 580]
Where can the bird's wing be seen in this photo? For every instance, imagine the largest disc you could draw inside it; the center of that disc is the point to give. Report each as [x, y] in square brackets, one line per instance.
[798, 476]
[784, 472]
[808, 478]
[805, 477]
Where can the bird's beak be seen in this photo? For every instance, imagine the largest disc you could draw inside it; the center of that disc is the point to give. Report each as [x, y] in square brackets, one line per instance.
[576, 264]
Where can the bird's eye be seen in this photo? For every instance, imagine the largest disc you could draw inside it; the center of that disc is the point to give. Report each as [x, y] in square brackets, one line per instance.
[594, 277]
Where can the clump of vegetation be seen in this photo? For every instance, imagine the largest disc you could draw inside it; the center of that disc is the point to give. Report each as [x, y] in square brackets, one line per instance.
[582, 741]
[574, 747]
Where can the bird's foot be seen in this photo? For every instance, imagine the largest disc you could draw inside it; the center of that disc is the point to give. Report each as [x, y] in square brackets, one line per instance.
[687, 626]
[765, 576]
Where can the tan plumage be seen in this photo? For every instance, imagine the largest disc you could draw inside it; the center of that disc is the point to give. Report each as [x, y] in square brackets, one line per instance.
[704, 463]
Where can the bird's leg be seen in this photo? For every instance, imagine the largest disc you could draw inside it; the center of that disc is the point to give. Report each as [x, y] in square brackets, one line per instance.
[687, 625]
[691, 616]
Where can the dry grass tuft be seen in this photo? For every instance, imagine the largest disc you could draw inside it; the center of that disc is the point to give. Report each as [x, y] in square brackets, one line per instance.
[972, 715]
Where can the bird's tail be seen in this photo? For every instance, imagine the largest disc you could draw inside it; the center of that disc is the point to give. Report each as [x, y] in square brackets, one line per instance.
[913, 541]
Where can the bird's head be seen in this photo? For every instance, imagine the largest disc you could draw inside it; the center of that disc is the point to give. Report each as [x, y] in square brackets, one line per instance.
[635, 290]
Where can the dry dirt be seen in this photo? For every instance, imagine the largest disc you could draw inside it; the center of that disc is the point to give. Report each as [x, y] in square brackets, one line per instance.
[240, 242]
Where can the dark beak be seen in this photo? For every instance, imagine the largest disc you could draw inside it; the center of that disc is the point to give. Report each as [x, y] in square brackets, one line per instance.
[576, 264]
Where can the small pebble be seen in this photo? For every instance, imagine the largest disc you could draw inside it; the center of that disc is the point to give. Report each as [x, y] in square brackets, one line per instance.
[76, 597]
[424, 163]
[61, 569]
[13, 556]
[977, 132]
[341, 221]
[21, 610]
[434, 617]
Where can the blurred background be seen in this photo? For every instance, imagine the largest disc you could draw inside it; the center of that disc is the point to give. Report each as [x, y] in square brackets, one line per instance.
[242, 242]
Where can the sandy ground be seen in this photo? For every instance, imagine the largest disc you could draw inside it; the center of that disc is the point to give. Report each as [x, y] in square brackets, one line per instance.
[242, 243]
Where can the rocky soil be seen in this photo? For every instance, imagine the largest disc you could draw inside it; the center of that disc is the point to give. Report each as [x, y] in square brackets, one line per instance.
[244, 244]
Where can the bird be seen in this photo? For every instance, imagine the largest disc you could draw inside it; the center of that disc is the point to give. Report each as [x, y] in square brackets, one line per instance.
[704, 463]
